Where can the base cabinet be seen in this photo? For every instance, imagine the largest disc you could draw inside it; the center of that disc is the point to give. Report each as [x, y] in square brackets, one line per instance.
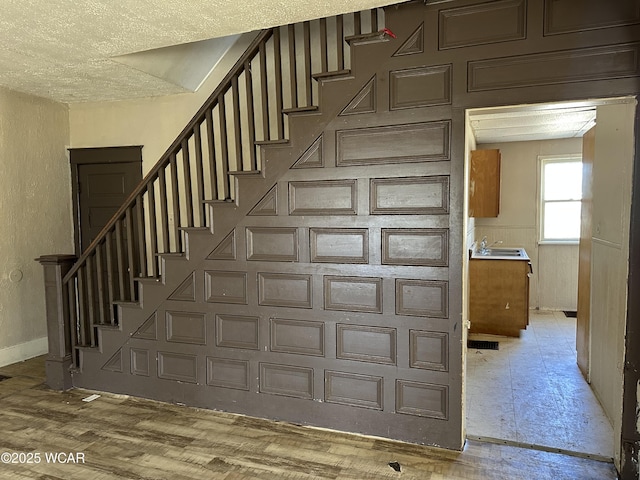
[499, 296]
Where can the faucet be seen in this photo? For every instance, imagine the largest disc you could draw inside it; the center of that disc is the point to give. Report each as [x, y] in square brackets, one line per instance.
[484, 248]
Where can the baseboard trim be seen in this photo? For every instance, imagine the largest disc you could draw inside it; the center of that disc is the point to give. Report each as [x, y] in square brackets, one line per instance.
[23, 351]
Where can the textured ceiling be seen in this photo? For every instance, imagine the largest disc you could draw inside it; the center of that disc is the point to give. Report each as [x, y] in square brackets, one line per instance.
[62, 49]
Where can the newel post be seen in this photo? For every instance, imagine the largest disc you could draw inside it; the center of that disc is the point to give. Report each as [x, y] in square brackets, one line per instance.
[58, 328]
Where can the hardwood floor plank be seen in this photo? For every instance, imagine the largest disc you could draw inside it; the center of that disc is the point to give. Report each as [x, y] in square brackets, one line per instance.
[130, 438]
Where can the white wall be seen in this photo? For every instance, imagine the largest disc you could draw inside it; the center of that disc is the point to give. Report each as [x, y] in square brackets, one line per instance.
[152, 122]
[35, 214]
[612, 173]
[554, 284]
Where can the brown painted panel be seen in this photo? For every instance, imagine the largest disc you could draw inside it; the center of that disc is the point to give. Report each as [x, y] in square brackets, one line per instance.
[149, 329]
[323, 197]
[297, 336]
[417, 142]
[353, 294]
[286, 380]
[140, 362]
[272, 244]
[186, 327]
[339, 245]
[178, 366]
[415, 246]
[366, 344]
[420, 87]
[226, 249]
[422, 298]
[565, 16]
[235, 331]
[429, 350]
[422, 399]
[409, 196]
[186, 291]
[225, 287]
[353, 389]
[284, 290]
[114, 364]
[228, 373]
[313, 157]
[491, 22]
[580, 65]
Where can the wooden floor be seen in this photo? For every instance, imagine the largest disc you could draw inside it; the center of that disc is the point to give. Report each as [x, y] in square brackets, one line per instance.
[128, 438]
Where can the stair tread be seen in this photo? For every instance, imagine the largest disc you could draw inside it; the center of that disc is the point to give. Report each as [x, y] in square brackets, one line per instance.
[334, 74]
[282, 141]
[244, 172]
[170, 254]
[126, 303]
[365, 38]
[229, 202]
[146, 279]
[194, 229]
[107, 326]
[308, 108]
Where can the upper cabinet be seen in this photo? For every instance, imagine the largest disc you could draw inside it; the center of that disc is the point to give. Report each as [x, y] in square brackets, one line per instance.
[484, 183]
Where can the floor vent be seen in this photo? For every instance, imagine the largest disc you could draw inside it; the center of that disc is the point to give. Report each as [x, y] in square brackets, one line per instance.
[482, 344]
[570, 313]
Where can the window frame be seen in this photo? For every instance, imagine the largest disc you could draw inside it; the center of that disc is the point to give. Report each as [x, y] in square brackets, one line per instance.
[544, 160]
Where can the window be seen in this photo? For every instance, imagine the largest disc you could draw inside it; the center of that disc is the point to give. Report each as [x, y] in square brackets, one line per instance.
[560, 198]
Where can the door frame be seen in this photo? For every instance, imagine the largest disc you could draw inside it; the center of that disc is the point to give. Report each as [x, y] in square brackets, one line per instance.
[95, 155]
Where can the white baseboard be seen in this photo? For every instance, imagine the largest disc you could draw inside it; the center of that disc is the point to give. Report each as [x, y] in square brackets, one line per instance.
[23, 351]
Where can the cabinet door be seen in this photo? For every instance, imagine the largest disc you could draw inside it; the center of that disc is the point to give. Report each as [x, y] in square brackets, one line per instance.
[484, 183]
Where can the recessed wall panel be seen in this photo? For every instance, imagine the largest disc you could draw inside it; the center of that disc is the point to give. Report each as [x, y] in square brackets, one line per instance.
[597, 63]
[417, 142]
[560, 16]
[297, 336]
[409, 196]
[420, 87]
[186, 327]
[339, 245]
[323, 197]
[235, 331]
[272, 244]
[225, 287]
[422, 399]
[140, 362]
[354, 390]
[429, 350]
[228, 373]
[490, 22]
[366, 343]
[415, 246]
[353, 294]
[178, 366]
[284, 290]
[287, 380]
[422, 298]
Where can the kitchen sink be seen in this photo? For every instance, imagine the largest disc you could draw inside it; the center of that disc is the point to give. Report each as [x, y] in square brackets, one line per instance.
[505, 252]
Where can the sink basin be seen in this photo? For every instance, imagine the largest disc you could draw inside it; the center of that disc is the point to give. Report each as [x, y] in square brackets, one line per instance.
[505, 252]
[502, 254]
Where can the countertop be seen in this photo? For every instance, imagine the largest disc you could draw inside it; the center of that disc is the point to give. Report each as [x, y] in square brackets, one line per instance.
[500, 254]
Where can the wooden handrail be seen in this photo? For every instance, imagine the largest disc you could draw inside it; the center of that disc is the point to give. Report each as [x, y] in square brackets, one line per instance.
[262, 37]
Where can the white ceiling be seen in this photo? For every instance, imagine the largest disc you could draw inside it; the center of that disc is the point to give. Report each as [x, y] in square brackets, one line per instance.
[64, 49]
[532, 122]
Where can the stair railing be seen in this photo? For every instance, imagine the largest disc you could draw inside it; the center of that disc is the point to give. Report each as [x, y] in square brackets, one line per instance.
[273, 77]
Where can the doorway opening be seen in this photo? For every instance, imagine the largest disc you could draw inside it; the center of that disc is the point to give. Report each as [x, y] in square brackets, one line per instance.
[531, 391]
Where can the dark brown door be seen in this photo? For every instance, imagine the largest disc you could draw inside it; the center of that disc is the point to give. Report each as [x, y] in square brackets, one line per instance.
[103, 179]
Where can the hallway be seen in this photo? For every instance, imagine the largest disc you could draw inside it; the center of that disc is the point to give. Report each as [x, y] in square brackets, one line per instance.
[531, 391]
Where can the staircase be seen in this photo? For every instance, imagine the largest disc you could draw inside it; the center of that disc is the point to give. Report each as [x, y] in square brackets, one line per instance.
[267, 107]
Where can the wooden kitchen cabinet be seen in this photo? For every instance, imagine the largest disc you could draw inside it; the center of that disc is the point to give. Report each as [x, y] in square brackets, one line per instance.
[484, 183]
[499, 296]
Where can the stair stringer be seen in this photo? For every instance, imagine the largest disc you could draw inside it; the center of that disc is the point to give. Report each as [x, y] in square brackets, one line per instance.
[304, 129]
